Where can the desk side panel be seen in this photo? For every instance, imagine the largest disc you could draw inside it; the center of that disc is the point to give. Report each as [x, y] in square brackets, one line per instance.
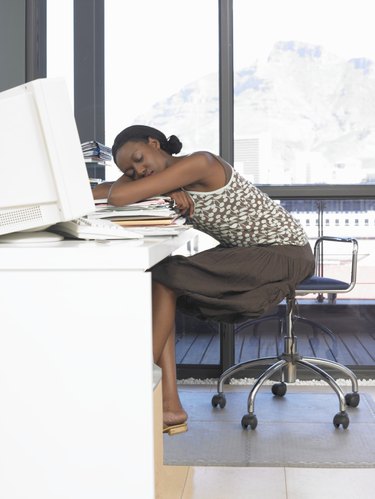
[76, 385]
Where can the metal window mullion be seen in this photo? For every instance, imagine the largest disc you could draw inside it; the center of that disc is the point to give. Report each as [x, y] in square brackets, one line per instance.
[35, 39]
[226, 102]
[226, 137]
[89, 69]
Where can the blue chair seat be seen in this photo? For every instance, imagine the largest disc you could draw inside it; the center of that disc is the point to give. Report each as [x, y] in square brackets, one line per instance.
[316, 283]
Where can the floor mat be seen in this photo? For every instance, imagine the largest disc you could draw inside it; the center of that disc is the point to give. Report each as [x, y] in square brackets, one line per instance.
[293, 431]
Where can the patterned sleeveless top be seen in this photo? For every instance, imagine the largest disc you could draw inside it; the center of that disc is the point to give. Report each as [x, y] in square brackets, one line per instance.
[239, 214]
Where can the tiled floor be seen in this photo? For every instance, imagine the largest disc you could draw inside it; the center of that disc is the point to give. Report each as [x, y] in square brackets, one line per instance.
[183, 482]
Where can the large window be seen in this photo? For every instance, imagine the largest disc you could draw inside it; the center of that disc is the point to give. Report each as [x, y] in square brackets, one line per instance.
[60, 41]
[304, 107]
[304, 112]
[162, 69]
[304, 91]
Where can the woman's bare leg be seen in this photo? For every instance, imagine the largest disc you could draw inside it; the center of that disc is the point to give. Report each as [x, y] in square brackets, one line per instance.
[163, 317]
[173, 412]
[164, 309]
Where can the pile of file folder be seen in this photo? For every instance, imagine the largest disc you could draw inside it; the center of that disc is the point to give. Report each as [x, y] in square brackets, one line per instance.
[95, 151]
[149, 217]
[155, 211]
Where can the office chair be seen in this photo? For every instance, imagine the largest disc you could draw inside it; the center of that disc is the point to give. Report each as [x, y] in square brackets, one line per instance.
[287, 362]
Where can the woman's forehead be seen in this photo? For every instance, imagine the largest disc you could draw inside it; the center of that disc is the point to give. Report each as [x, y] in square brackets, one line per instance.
[126, 152]
[129, 148]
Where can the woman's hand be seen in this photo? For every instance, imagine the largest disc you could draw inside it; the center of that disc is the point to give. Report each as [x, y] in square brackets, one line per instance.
[183, 202]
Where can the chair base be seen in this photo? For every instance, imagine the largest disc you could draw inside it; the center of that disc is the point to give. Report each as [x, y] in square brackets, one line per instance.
[287, 364]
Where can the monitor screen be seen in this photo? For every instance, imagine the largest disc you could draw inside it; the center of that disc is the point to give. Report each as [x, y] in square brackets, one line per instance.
[43, 173]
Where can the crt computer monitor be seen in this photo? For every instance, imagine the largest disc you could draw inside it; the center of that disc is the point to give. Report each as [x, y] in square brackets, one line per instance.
[43, 173]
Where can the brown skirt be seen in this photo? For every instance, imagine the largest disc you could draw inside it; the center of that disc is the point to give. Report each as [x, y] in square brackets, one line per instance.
[234, 284]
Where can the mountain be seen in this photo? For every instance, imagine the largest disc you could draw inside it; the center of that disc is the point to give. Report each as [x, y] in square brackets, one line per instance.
[312, 104]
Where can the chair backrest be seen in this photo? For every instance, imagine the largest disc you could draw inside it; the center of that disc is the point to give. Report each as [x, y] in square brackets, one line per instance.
[319, 256]
[321, 284]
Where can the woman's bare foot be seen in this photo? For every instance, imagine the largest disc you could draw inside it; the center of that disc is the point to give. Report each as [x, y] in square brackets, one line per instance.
[174, 417]
[174, 422]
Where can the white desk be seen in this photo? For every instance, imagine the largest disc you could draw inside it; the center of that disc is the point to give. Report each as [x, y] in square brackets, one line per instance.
[76, 369]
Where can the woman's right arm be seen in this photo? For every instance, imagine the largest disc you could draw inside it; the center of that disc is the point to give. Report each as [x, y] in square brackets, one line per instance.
[195, 168]
[101, 191]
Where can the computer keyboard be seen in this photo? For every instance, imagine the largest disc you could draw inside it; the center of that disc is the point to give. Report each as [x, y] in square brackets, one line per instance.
[93, 228]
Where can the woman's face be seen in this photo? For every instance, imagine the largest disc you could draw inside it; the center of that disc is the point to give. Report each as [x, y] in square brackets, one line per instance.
[139, 159]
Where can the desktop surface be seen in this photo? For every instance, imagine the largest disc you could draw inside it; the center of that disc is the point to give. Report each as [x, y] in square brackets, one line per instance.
[134, 254]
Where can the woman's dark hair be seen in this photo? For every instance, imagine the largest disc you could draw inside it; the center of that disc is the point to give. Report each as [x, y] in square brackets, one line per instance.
[141, 133]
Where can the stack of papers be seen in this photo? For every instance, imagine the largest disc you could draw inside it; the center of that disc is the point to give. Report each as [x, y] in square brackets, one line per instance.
[153, 211]
[95, 151]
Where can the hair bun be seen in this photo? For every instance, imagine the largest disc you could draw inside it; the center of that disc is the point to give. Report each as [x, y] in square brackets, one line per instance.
[174, 145]
[142, 133]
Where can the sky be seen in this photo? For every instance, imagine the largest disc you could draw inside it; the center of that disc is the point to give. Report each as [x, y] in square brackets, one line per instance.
[156, 47]
[344, 27]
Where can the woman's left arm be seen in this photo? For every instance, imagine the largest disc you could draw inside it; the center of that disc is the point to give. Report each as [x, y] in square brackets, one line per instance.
[183, 202]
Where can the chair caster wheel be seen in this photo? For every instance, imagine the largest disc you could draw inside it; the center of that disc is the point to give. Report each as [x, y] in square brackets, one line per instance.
[352, 399]
[249, 420]
[341, 418]
[218, 400]
[279, 389]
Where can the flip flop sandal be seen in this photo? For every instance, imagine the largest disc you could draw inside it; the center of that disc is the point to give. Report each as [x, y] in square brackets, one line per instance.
[175, 429]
